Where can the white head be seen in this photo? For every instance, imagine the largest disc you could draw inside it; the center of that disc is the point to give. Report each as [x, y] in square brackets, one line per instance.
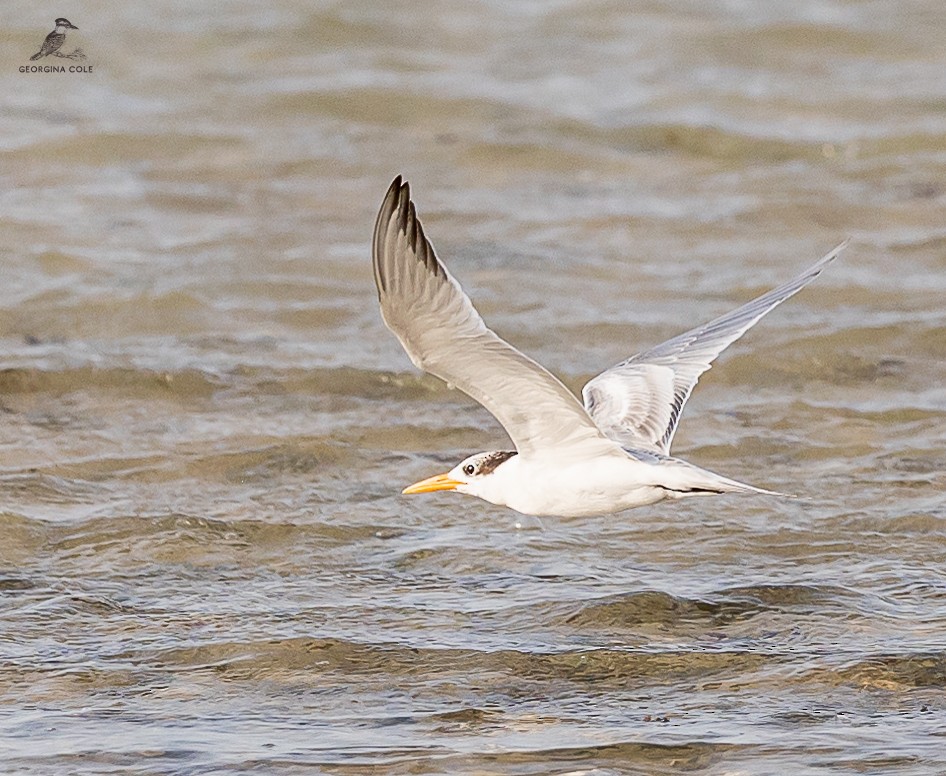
[63, 24]
[477, 475]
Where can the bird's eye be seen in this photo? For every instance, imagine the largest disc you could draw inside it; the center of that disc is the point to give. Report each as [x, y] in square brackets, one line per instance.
[469, 469]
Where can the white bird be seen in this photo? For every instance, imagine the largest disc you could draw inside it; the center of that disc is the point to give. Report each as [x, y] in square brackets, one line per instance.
[610, 454]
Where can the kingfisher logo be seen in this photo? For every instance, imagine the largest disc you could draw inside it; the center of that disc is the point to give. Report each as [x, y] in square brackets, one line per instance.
[53, 47]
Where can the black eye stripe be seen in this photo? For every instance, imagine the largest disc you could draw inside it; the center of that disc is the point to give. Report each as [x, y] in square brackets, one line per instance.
[488, 463]
[493, 460]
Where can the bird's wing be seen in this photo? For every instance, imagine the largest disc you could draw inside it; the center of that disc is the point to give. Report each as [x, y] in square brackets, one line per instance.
[638, 402]
[48, 43]
[445, 336]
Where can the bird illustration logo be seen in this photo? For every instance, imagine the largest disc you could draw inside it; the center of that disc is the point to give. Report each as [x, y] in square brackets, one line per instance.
[54, 42]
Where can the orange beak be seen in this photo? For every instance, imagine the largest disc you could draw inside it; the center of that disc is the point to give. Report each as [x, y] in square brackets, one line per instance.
[439, 482]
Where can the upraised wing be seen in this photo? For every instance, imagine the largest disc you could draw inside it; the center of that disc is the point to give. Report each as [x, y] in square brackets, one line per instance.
[638, 402]
[444, 335]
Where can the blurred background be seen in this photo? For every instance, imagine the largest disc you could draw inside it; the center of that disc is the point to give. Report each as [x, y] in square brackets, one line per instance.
[205, 562]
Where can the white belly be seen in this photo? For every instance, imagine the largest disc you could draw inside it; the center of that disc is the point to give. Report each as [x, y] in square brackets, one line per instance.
[577, 489]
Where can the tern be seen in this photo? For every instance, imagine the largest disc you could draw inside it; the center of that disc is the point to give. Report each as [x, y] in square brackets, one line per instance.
[606, 454]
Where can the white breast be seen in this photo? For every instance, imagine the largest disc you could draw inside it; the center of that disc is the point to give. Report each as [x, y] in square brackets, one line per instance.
[571, 488]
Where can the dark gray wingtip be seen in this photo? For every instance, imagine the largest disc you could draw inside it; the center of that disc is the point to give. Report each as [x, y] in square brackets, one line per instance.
[397, 205]
[389, 205]
[403, 206]
[825, 260]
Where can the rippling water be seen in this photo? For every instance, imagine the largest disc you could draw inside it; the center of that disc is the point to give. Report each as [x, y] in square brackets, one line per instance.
[205, 562]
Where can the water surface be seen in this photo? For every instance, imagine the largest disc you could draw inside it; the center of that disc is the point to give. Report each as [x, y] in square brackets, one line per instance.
[205, 563]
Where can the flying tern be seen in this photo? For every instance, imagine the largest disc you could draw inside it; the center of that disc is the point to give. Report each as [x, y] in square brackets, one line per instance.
[606, 454]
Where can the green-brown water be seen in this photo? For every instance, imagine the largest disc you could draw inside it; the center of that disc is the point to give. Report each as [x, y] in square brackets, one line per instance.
[205, 563]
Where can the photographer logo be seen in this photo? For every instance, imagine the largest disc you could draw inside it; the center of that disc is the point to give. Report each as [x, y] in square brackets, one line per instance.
[53, 47]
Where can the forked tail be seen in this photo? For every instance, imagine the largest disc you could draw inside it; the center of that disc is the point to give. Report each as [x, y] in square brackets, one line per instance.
[681, 479]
